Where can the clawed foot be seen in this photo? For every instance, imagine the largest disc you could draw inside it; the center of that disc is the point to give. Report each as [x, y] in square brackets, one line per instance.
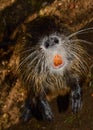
[40, 109]
[76, 99]
[26, 114]
[45, 110]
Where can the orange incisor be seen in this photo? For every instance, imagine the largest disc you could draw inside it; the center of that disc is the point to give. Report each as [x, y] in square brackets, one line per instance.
[57, 60]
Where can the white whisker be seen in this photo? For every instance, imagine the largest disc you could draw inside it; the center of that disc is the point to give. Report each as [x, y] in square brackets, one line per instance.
[80, 40]
[83, 64]
[28, 50]
[81, 32]
[34, 59]
[26, 58]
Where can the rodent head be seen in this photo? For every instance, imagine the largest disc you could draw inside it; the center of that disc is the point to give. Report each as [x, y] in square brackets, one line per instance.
[53, 47]
[48, 48]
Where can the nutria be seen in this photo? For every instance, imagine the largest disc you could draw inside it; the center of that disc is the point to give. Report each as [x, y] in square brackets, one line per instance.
[53, 62]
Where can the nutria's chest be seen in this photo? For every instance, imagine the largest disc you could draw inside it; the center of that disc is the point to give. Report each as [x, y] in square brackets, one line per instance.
[56, 86]
[52, 85]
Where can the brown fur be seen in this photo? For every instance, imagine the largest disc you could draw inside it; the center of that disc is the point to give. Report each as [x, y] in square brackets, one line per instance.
[51, 84]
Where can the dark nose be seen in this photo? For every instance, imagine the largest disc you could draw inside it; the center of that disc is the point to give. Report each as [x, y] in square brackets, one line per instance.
[51, 41]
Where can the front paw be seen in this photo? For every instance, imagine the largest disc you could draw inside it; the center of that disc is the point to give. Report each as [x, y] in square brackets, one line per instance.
[76, 99]
[26, 113]
[45, 110]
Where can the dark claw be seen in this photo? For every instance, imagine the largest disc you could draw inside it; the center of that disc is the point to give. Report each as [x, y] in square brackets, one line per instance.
[27, 113]
[40, 109]
[45, 110]
[76, 98]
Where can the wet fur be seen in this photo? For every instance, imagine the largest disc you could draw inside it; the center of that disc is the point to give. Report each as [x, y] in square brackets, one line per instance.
[35, 74]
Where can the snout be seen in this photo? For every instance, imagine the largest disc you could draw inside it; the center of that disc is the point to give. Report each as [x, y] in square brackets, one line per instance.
[51, 41]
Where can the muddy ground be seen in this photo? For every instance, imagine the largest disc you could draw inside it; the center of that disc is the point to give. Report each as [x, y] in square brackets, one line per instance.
[66, 120]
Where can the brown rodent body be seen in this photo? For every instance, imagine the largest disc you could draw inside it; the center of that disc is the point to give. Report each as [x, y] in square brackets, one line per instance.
[43, 39]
